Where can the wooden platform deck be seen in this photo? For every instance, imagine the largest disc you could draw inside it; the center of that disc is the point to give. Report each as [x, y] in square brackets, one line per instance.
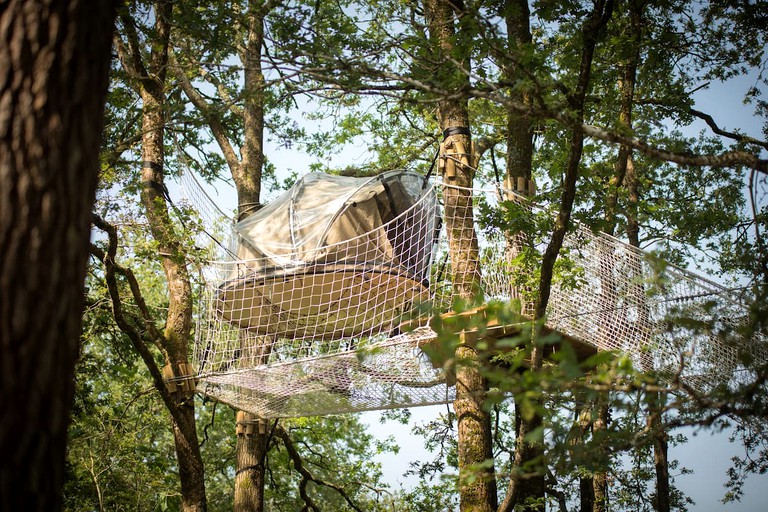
[484, 331]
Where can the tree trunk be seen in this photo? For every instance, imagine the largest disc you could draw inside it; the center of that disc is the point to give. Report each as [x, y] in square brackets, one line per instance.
[246, 172]
[247, 175]
[175, 342]
[519, 127]
[600, 479]
[583, 427]
[660, 459]
[533, 487]
[477, 486]
[529, 487]
[179, 317]
[54, 61]
[250, 473]
[252, 443]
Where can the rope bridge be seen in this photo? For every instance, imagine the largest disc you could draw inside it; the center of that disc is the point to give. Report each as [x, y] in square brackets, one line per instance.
[311, 323]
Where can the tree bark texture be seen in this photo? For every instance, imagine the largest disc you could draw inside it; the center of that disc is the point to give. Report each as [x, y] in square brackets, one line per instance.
[175, 341]
[478, 483]
[247, 175]
[600, 479]
[522, 487]
[252, 443]
[250, 473]
[54, 61]
[519, 127]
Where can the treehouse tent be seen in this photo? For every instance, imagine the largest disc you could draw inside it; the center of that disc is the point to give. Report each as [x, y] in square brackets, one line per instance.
[333, 257]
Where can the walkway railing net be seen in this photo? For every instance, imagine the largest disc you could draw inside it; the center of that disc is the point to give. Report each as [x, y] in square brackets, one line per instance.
[323, 340]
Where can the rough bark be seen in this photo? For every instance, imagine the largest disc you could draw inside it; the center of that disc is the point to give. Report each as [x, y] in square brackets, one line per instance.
[150, 78]
[250, 472]
[54, 60]
[478, 486]
[247, 175]
[529, 486]
[519, 127]
[252, 442]
[600, 479]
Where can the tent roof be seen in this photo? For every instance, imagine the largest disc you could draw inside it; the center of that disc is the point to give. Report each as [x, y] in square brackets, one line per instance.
[299, 221]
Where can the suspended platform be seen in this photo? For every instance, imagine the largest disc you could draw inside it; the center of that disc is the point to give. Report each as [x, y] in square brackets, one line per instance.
[492, 336]
[321, 304]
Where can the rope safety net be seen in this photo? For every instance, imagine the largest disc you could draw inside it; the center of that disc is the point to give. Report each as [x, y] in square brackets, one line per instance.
[301, 307]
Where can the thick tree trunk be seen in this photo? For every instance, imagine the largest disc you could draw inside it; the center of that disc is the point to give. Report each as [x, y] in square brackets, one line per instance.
[179, 317]
[175, 342]
[252, 443]
[528, 487]
[54, 60]
[477, 487]
[247, 175]
[250, 474]
[627, 100]
[519, 127]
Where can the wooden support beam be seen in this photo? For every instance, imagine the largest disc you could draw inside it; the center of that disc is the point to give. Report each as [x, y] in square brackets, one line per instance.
[488, 329]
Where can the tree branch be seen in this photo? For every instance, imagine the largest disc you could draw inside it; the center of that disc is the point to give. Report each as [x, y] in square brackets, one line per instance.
[134, 335]
[211, 117]
[731, 135]
[726, 159]
[126, 272]
[130, 56]
[306, 475]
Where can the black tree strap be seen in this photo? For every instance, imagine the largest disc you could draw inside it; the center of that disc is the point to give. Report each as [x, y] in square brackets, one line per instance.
[456, 130]
[159, 187]
[146, 164]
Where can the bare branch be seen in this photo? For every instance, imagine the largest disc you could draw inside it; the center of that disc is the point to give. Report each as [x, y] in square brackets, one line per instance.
[306, 476]
[731, 135]
[211, 116]
[136, 337]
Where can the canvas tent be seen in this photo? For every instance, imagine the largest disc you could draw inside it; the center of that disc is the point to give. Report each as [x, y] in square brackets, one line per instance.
[333, 257]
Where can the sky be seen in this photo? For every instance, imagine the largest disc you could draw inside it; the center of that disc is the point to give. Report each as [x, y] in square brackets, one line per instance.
[706, 454]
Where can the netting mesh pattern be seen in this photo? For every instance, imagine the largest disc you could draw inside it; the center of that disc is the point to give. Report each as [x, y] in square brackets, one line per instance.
[315, 331]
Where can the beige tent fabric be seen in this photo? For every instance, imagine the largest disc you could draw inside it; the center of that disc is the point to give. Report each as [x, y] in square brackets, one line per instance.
[333, 257]
[322, 210]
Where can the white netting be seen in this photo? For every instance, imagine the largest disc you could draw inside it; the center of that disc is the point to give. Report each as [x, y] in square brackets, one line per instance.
[308, 323]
